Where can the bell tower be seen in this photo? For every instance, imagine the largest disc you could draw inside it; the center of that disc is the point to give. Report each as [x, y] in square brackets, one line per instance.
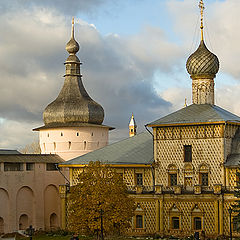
[202, 66]
[73, 121]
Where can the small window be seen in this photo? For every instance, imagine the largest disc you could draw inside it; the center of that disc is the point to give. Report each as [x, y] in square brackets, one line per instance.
[173, 179]
[187, 153]
[61, 134]
[54, 146]
[197, 223]
[139, 178]
[84, 145]
[48, 134]
[13, 166]
[175, 223]
[51, 167]
[77, 134]
[92, 134]
[139, 221]
[69, 145]
[29, 166]
[131, 130]
[204, 179]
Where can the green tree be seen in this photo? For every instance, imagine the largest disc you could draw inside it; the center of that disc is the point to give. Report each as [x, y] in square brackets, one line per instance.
[100, 193]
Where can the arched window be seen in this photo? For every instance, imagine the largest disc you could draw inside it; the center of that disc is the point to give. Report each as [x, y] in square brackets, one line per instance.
[69, 145]
[197, 218]
[23, 222]
[172, 175]
[204, 175]
[54, 146]
[139, 218]
[53, 222]
[84, 145]
[174, 218]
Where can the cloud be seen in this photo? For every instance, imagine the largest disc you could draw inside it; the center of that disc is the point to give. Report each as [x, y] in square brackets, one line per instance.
[70, 7]
[117, 71]
[219, 31]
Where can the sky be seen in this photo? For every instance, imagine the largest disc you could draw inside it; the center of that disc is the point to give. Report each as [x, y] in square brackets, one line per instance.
[133, 52]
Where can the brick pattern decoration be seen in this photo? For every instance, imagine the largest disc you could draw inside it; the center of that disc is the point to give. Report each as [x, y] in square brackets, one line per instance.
[207, 148]
[185, 208]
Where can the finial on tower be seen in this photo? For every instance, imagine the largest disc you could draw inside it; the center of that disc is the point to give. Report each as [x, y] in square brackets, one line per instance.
[72, 35]
[132, 127]
[201, 6]
[185, 103]
[72, 46]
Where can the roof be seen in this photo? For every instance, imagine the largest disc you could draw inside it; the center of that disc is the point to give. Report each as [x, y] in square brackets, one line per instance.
[8, 151]
[233, 160]
[137, 150]
[197, 114]
[72, 124]
[34, 158]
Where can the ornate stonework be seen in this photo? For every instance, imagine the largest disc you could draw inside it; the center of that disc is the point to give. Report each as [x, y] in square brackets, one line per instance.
[203, 91]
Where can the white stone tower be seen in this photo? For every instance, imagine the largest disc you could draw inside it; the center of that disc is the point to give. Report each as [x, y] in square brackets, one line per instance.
[73, 121]
[132, 127]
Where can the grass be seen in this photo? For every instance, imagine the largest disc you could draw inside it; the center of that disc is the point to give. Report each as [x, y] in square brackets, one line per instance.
[59, 236]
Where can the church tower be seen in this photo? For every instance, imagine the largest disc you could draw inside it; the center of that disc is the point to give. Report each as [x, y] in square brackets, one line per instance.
[202, 66]
[132, 127]
[73, 121]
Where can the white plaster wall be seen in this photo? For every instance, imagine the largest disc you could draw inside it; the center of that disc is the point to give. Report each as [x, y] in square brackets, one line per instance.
[72, 142]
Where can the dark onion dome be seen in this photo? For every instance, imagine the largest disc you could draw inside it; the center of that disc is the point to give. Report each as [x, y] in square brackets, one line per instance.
[73, 104]
[202, 63]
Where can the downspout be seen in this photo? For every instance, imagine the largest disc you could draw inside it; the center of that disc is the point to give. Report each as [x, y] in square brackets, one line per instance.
[68, 182]
[152, 165]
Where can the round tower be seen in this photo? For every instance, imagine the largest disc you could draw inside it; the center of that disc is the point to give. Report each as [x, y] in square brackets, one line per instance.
[73, 121]
[202, 66]
[132, 127]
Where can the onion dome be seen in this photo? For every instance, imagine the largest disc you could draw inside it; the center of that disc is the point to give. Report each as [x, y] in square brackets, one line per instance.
[73, 104]
[202, 63]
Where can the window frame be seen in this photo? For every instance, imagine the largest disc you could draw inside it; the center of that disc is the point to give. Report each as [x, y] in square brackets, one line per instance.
[171, 180]
[187, 153]
[138, 178]
[141, 226]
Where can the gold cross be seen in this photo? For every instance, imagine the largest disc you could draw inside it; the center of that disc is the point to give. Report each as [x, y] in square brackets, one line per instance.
[201, 6]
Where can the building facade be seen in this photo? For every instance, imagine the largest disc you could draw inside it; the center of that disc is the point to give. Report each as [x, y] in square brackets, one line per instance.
[29, 191]
[183, 176]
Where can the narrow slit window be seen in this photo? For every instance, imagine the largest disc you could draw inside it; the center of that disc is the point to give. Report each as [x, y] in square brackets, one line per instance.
[188, 153]
[139, 221]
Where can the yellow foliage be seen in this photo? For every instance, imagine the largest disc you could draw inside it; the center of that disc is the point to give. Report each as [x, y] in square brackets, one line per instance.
[100, 191]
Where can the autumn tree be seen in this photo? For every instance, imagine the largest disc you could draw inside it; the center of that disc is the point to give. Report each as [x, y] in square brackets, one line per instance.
[100, 193]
